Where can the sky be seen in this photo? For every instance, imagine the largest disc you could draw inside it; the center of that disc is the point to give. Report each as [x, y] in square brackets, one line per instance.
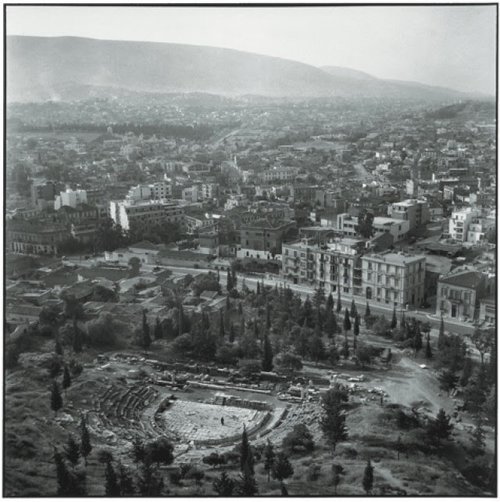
[451, 46]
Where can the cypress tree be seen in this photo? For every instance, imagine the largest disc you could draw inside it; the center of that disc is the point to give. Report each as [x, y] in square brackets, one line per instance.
[367, 310]
[222, 332]
[267, 359]
[229, 281]
[112, 487]
[269, 457]
[158, 333]
[428, 350]
[56, 401]
[329, 303]
[354, 310]
[231, 333]
[77, 337]
[356, 325]
[126, 481]
[58, 346]
[72, 450]
[246, 457]
[224, 485]
[85, 445]
[62, 473]
[247, 486]
[347, 321]
[368, 477]
[333, 420]
[66, 382]
[339, 302]
[441, 336]
[394, 321]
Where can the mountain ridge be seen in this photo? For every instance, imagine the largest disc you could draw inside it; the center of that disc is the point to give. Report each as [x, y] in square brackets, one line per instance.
[61, 68]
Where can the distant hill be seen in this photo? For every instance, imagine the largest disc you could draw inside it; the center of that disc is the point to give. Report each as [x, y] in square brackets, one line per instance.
[70, 68]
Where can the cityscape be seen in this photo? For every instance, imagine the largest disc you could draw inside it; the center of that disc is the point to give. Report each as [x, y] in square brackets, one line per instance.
[237, 274]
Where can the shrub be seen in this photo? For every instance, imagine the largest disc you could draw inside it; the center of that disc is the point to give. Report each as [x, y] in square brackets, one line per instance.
[299, 439]
[314, 472]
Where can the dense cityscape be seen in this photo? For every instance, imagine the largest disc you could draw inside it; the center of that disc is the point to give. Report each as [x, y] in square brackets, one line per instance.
[212, 295]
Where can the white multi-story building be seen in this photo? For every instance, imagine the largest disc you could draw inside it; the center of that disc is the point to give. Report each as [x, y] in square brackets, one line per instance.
[460, 221]
[154, 191]
[348, 224]
[480, 229]
[70, 198]
[394, 278]
[279, 173]
[128, 213]
[416, 212]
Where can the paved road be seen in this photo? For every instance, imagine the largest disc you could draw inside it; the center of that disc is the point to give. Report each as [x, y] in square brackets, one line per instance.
[304, 291]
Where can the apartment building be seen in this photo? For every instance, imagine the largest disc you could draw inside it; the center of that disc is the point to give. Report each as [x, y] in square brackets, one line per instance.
[126, 213]
[415, 211]
[71, 198]
[154, 191]
[334, 265]
[460, 221]
[33, 237]
[394, 278]
[348, 224]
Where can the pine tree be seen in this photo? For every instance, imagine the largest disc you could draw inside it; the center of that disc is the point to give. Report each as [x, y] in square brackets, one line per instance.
[158, 332]
[447, 380]
[478, 433]
[72, 450]
[333, 419]
[56, 401]
[267, 359]
[354, 310]
[224, 485]
[85, 444]
[112, 487]
[282, 468]
[347, 321]
[440, 427]
[66, 382]
[269, 457]
[368, 477]
[394, 321]
[428, 350]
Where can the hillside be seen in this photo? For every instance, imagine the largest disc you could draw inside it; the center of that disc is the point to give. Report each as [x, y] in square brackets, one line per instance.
[69, 68]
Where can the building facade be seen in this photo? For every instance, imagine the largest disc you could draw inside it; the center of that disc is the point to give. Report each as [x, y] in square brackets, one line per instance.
[415, 211]
[395, 279]
[460, 221]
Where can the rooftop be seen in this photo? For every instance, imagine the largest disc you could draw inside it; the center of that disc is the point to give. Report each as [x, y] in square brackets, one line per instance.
[466, 279]
[395, 258]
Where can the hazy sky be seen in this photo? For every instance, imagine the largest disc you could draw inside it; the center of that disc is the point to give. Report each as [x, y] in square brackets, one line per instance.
[449, 46]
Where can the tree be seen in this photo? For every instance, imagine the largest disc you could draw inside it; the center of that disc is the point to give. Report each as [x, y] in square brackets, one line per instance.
[246, 457]
[267, 358]
[478, 433]
[339, 301]
[441, 336]
[448, 380]
[394, 321]
[58, 349]
[439, 428]
[282, 468]
[316, 348]
[135, 266]
[347, 321]
[428, 350]
[247, 486]
[466, 372]
[138, 451]
[483, 341]
[365, 224]
[229, 281]
[72, 450]
[288, 362]
[112, 487]
[85, 444]
[356, 325]
[367, 310]
[269, 457]
[146, 337]
[150, 483]
[333, 419]
[330, 323]
[224, 485]
[354, 310]
[333, 354]
[126, 481]
[158, 332]
[160, 451]
[56, 401]
[299, 439]
[329, 303]
[336, 471]
[66, 382]
[63, 476]
[77, 337]
[368, 477]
